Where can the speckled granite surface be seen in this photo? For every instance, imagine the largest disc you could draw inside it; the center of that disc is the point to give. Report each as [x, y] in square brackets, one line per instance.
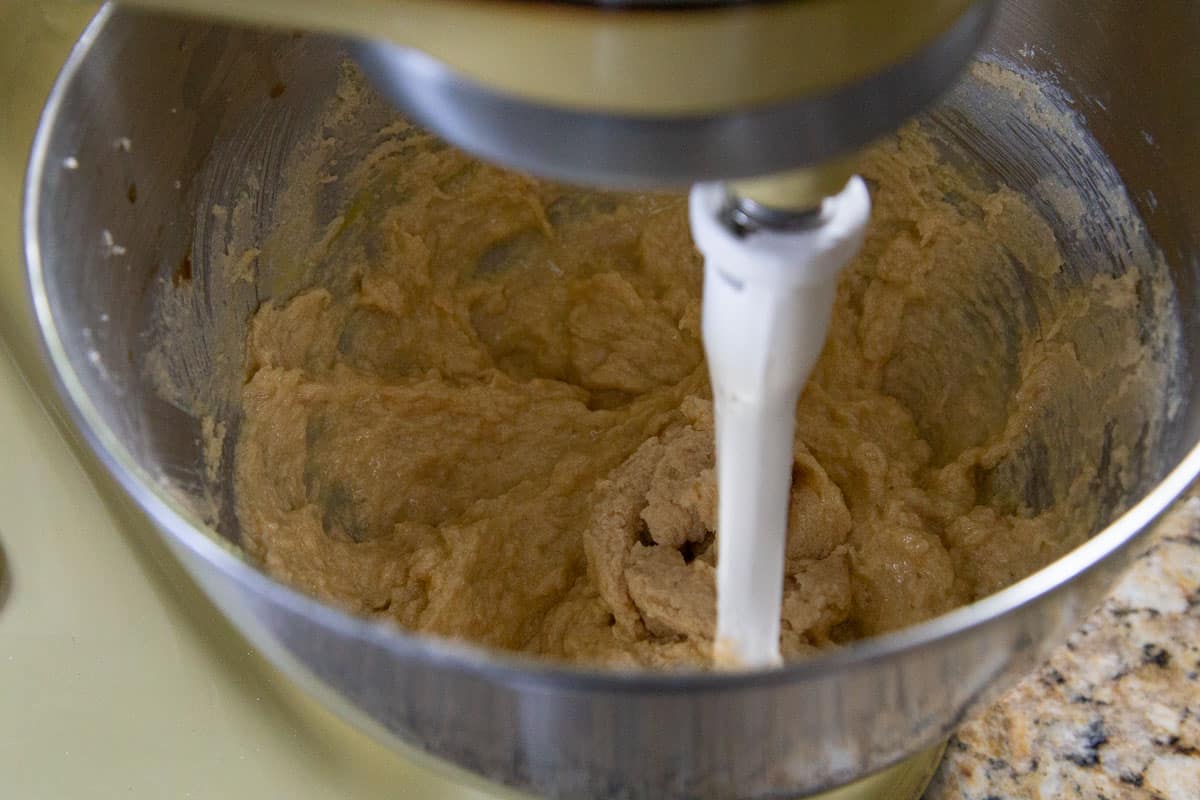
[1115, 713]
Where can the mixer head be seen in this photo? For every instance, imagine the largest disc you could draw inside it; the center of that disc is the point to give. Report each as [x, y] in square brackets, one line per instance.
[650, 93]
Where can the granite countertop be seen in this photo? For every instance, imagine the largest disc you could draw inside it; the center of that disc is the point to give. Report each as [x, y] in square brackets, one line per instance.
[1114, 714]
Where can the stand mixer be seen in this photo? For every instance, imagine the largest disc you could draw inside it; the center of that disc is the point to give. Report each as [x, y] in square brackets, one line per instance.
[187, 110]
[761, 105]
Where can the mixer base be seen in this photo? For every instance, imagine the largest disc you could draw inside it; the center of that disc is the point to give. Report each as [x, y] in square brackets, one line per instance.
[904, 781]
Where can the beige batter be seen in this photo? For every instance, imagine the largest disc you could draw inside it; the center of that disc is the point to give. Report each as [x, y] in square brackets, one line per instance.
[496, 426]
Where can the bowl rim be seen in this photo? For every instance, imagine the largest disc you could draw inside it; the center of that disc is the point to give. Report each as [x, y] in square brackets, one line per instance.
[187, 530]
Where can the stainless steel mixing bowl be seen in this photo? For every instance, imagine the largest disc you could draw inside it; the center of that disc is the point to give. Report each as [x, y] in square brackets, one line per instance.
[154, 120]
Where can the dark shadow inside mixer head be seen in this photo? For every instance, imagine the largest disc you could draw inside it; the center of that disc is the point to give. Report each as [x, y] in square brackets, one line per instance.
[216, 227]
